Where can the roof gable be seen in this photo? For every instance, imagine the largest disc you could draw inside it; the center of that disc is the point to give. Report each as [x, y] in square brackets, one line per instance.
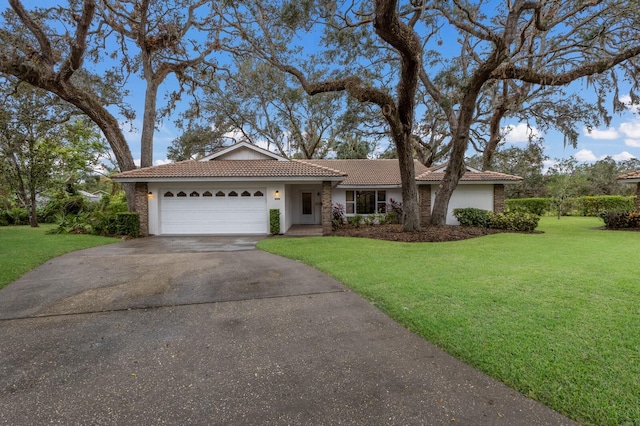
[243, 151]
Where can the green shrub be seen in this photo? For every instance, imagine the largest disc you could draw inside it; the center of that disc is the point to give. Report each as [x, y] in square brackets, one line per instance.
[128, 224]
[274, 221]
[355, 220]
[513, 221]
[595, 206]
[15, 216]
[537, 206]
[392, 218]
[472, 217]
[621, 220]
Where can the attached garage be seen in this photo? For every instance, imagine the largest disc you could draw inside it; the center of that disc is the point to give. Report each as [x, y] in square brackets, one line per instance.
[201, 211]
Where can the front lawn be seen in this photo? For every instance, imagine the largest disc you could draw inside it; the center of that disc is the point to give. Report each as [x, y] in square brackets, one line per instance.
[22, 248]
[555, 315]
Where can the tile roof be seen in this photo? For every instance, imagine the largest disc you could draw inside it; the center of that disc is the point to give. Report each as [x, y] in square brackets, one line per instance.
[631, 175]
[436, 174]
[230, 169]
[350, 172]
[367, 172]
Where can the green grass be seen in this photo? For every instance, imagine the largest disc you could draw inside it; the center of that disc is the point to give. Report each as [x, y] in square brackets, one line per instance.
[555, 315]
[22, 248]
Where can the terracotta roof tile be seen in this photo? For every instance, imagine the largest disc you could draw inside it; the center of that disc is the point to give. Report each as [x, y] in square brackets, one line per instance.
[630, 175]
[367, 172]
[230, 169]
[354, 172]
[435, 174]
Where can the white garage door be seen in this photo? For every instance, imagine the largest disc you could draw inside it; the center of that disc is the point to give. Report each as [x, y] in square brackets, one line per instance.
[213, 211]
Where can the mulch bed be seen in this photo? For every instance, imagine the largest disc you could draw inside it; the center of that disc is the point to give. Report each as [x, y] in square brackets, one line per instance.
[428, 234]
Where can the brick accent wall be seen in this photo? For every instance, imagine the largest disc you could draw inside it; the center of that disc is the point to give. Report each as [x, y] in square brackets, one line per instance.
[424, 204]
[326, 208]
[638, 198]
[142, 207]
[498, 198]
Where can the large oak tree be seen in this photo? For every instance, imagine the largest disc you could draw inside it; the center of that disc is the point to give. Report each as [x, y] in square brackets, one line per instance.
[540, 44]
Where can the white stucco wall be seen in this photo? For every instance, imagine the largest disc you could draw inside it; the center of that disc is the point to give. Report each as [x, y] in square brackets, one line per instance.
[477, 196]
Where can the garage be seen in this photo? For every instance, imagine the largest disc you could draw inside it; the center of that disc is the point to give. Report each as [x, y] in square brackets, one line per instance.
[188, 211]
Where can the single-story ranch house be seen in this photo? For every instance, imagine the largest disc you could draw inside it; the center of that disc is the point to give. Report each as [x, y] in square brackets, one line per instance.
[633, 177]
[232, 190]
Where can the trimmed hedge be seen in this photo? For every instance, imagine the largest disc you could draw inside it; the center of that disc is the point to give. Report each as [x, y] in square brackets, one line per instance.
[537, 206]
[125, 224]
[515, 221]
[512, 221]
[472, 217]
[274, 221]
[595, 206]
[584, 206]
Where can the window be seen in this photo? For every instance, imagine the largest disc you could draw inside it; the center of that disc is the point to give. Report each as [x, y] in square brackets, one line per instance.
[233, 194]
[207, 194]
[350, 203]
[381, 203]
[366, 202]
[219, 194]
[258, 194]
[168, 194]
[194, 194]
[181, 194]
[245, 194]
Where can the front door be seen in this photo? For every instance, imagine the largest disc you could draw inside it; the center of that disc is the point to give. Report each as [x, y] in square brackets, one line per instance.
[307, 208]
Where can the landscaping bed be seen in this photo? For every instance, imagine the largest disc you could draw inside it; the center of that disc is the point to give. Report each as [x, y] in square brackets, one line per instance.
[428, 234]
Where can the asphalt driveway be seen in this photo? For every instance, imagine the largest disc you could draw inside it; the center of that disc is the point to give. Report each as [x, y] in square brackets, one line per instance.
[211, 331]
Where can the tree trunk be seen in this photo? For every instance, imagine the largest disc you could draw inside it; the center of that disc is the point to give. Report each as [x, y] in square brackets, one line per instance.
[410, 206]
[456, 166]
[33, 214]
[148, 124]
[494, 137]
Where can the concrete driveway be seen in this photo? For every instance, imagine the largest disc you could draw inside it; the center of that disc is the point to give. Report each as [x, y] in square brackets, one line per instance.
[211, 331]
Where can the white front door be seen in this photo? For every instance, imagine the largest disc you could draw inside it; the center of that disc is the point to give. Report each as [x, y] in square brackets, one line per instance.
[307, 206]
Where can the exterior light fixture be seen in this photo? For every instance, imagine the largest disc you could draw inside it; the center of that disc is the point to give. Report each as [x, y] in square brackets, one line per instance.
[150, 194]
[277, 195]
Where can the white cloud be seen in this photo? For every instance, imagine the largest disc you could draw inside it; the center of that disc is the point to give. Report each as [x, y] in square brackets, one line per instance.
[136, 161]
[607, 134]
[631, 129]
[519, 133]
[634, 143]
[161, 162]
[585, 155]
[623, 156]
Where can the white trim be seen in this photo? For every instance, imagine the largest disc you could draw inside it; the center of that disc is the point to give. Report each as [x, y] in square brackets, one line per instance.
[240, 145]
